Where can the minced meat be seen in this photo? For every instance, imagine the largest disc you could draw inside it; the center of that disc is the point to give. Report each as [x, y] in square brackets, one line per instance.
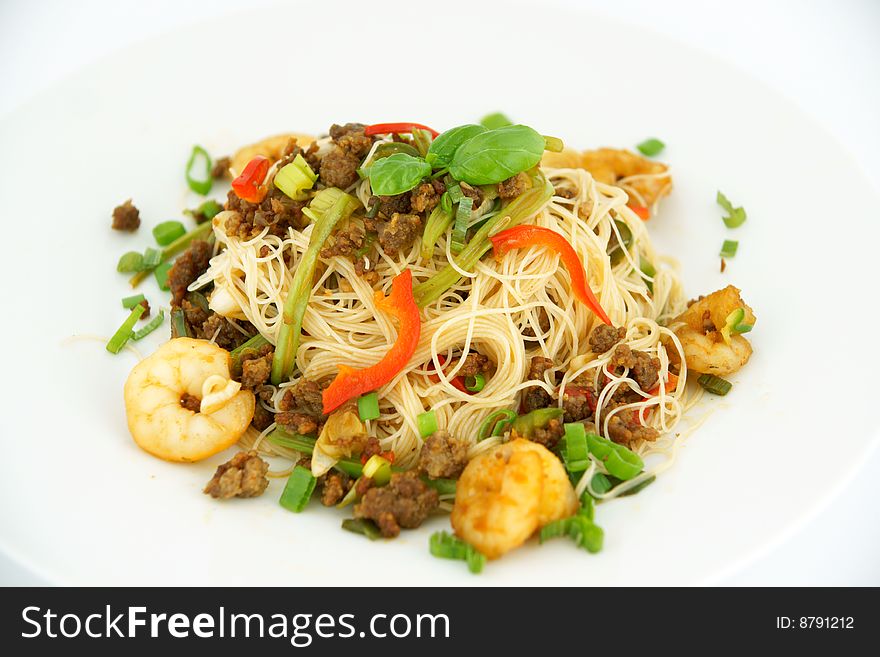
[222, 332]
[604, 337]
[305, 396]
[643, 368]
[578, 402]
[191, 264]
[256, 366]
[426, 196]
[535, 397]
[277, 211]
[220, 170]
[263, 417]
[405, 502]
[301, 423]
[399, 232]
[335, 486]
[514, 186]
[474, 363]
[443, 456]
[345, 242]
[629, 433]
[244, 475]
[339, 167]
[474, 193]
[126, 217]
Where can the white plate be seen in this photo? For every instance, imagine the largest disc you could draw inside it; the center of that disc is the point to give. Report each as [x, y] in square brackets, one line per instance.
[82, 504]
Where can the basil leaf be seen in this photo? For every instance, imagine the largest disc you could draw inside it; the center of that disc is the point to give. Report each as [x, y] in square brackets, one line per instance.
[397, 173]
[496, 155]
[495, 120]
[443, 148]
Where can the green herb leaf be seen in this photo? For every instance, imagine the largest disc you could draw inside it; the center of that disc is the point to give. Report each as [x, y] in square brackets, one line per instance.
[651, 147]
[728, 249]
[496, 155]
[443, 148]
[495, 120]
[397, 173]
[736, 216]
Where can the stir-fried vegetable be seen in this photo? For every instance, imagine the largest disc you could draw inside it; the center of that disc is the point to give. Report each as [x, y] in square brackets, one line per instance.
[524, 236]
[714, 384]
[729, 248]
[181, 243]
[427, 423]
[198, 171]
[735, 216]
[161, 274]
[339, 206]
[582, 530]
[437, 223]
[167, 232]
[368, 406]
[149, 327]
[495, 424]
[295, 178]
[378, 468]
[123, 333]
[447, 546]
[351, 382]
[132, 301]
[298, 490]
[525, 425]
[248, 186]
[130, 262]
[462, 219]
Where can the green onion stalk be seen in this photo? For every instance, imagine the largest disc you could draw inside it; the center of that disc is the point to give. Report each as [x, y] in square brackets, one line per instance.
[173, 249]
[437, 223]
[521, 208]
[300, 289]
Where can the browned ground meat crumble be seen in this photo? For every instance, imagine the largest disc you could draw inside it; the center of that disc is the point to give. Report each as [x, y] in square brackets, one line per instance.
[426, 196]
[534, 398]
[305, 396]
[405, 502]
[604, 337]
[344, 242]
[399, 232]
[220, 170]
[643, 368]
[277, 211]
[126, 217]
[256, 366]
[578, 402]
[443, 456]
[629, 433]
[548, 436]
[300, 423]
[514, 186]
[334, 487]
[191, 264]
[474, 193]
[244, 475]
[339, 167]
[474, 363]
[146, 305]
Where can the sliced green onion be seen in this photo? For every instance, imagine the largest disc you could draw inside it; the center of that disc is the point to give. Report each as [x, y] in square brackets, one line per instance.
[123, 333]
[427, 423]
[496, 421]
[130, 262]
[714, 384]
[553, 144]
[437, 223]
[295, 178]
[621, 462]
[495, 120]
[600, 483]
[649, 273]
[735, 216]
[728, 249]
[368, 406]
[447, 546]
[174, 248]
[161, 274]
[575, 453]
[651, 147]
[167, 232]
[445, 487]
[206, 211]
[462, 219]
[351, 496]
[734, 325]
[525, 425]
[378, 468]
[178, 324]
[149, 327]
[579, 527]
[326, 209]
[635, 489]
[131, 302]
[361, 526]
[475, 383]
[455, 193]
[152, 257]
[298, 489]
[446, 202]
[306, 445]
[198, 171]
[588, 506]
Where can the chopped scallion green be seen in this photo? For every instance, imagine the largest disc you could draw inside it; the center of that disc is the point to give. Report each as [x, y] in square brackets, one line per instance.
[455, 193]
[427, 423]
[161, 274]
[368, 406]
[728, 249]
[132, 301]
[298, 489]
[361, 526]
[123, 333]
[575, 453]
[206, 211]
[130, 262]
[462, 219]
[149, 327]
[735, 216]
[178, 324]
[296, 178]
[495, 423]
[651, 147]
[580, 528]
[152, 257]
[447, 546]
[714, 384]
[475, 383]
[167, 232]
[378, 468]
[553, 144]
[198, 171]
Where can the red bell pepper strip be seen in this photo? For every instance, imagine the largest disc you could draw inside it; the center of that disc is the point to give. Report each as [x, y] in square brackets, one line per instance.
[248, 185]
[397, 128]
[643, 212]
[351, 382]
[520, 237]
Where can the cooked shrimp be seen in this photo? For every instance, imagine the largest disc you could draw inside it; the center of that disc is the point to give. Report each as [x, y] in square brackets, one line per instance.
[645, 180]
[708, 347]
[506, 494]
[271, 147]
[191, 371]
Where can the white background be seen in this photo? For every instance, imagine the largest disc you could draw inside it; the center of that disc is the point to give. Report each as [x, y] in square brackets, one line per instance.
[823, 55]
